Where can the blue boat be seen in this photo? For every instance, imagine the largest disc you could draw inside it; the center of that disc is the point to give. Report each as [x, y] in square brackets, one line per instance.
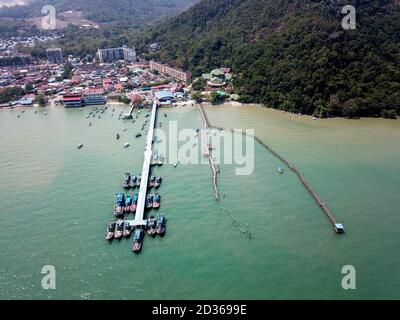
[161, 222]
[132, 183]
[134, 202]
[156, 201]
[137, 240]
[119, 204]
[150, 199]
[128, 203]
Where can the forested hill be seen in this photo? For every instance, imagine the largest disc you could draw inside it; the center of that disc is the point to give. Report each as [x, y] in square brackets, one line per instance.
[104, 11]
[293, 54]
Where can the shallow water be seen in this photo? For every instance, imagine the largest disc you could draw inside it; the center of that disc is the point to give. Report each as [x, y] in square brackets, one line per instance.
[56, 200]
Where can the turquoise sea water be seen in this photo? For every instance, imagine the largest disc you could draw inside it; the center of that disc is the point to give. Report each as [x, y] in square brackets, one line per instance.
[55, 202]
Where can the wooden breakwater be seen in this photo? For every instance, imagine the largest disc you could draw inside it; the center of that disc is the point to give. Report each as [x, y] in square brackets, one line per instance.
[301, 177]
[208, 153]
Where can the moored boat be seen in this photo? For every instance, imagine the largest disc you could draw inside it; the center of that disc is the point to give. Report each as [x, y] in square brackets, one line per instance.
[137, 240]
[126, 181]
[161, 224]
[119, 228]
[157, 182]
[128, 203]
[156, 201]
[154, 160]
[127, 229]
[138, 180]
[134, 202]
[110, 230]
[119, 204]
[161, 160]
[149, 202]
[132, 183]
[151, 226]
[152, 181]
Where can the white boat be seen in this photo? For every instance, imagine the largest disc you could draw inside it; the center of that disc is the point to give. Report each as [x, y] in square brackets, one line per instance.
[127, 145]
[175, 164]
[80, 146]
[280, 170]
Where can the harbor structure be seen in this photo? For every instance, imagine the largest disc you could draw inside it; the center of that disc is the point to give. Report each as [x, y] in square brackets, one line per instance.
[54, 55]
[115, 54]
[72, 100]
[175, 73]
[94, 97]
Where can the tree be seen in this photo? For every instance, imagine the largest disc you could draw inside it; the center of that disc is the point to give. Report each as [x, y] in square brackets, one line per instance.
[198, 97]
[41, 100]
[199, 84]
[217, 98]
[123, 99]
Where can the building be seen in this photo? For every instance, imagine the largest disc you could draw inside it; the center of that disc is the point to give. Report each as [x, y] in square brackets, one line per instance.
[54, 55]
[93, 97]
[218, 77]
[115, 54]
[165, 97]
[175, 73]
[72, 100]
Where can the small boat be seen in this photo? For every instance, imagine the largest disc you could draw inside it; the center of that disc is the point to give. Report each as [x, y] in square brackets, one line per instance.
[175, 164]
[118, 136]
[138, 180]
[90, 124]
[161, 222]
[127, 229]
[80, 146]
[138, 135]
[110, 230]
[152, 181]
[161, 160]
[149, 202]
[156, 201]
[154, 160]
[137, 240]
[151, 227]
[157, 182]
[280, 170]
[126, 181]
[126, 145]
[134, 202]
[165, 115]
[119, 204]
[132, 183]
[119, 229]
[128, 203]
[45, 113]
[124, 130]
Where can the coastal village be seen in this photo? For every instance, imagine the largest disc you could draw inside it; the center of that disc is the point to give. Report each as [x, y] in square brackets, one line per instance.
[116, 75]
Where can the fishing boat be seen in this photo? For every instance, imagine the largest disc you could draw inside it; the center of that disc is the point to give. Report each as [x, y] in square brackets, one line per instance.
[118, 136]
[154, 160]
[151, 227]
[149, 202]
[138, 135]
[161, 222]
[175, 164]
[119, 204]
[126, 181]
[126, 145]
[157, 182]
[134, 202]
[119, 228]
[128, 203]
[138, 180]
[280, 170]
[132, 183]
[152, 181]
[161, 160]
[137, 240]
[110, 230]
[127, 229]
[80, 146]
[156, 201]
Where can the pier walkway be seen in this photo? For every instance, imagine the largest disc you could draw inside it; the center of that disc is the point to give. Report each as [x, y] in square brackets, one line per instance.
[141, 205]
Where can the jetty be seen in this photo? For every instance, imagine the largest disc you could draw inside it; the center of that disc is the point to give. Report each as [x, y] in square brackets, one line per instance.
[207, 151]
[141, 205]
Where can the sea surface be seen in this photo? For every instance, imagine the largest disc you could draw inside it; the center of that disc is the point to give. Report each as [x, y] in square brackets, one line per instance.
[265, 239]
